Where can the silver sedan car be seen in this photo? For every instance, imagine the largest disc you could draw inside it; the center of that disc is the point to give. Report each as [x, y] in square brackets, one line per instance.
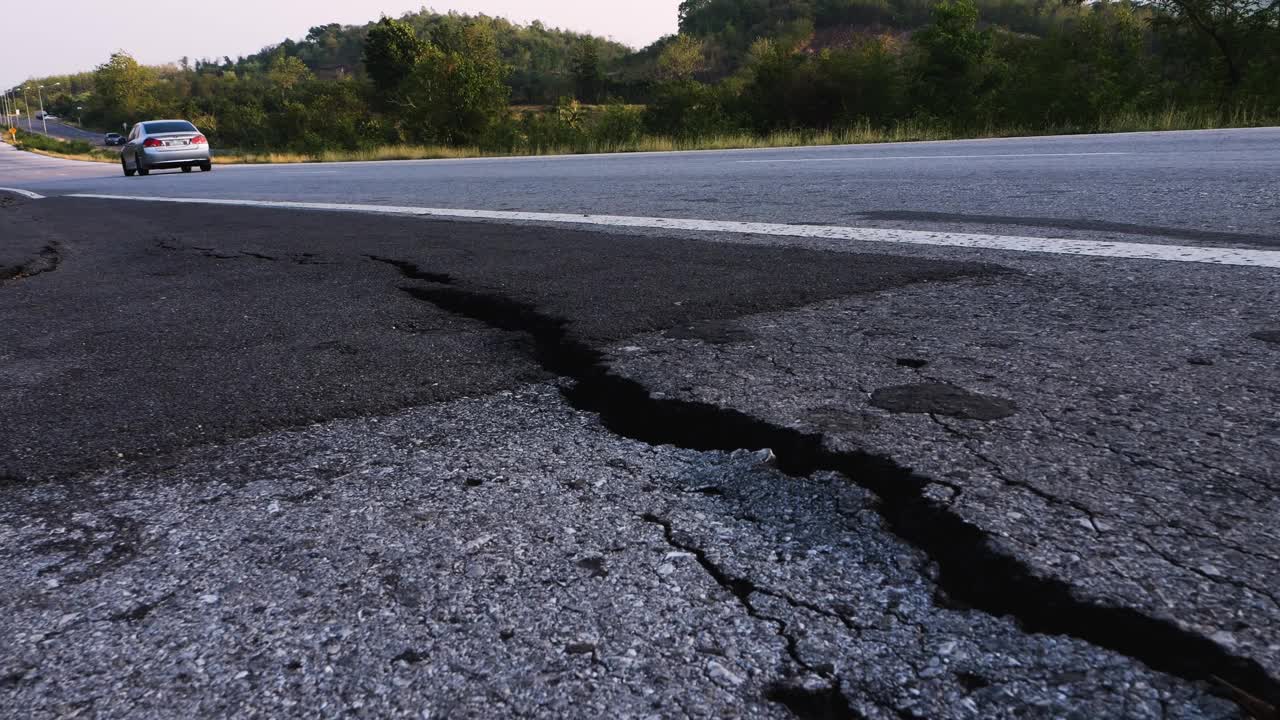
[158, 144]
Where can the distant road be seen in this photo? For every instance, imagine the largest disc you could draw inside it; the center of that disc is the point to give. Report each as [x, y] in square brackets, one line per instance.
[62, 130]
[1184, 186]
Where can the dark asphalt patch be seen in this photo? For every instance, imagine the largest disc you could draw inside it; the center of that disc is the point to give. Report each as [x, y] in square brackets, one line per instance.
[1208, 237]
[172, 326]
[942, 399]
[1269, 336]
[45, 260]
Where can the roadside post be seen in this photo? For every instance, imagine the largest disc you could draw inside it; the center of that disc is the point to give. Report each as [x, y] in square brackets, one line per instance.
[44, 117]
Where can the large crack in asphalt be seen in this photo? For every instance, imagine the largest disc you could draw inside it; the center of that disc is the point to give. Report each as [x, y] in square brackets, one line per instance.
[972, 571]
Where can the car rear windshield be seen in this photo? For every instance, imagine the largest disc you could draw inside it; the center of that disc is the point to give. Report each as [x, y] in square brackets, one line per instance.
[156, 128]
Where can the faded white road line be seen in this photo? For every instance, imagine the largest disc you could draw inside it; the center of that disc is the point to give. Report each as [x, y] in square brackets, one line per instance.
[860, 158]
[24, 193]
[1060, 246]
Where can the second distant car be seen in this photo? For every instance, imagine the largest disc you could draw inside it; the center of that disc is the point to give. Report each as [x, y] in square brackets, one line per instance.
[111, 139]
[159, 144]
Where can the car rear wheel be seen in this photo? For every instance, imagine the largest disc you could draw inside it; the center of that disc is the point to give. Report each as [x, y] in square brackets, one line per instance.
[186, 168]
[142, 169]
[125, 165]
[206, 166]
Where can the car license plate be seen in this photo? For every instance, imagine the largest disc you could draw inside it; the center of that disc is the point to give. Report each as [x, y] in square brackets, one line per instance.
[177, 142]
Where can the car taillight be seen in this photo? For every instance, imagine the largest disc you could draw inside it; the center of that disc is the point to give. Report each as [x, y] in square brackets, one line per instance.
[152, 142]
[199, 140]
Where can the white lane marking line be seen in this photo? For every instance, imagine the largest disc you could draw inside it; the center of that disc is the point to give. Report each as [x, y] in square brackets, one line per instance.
[1059, 246]
[859, 158]
[24, 193]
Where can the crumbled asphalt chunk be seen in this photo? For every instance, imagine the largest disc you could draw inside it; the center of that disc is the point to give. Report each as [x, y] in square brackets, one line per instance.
[913, 363]
[811, 698]
[942, 399]
[595, 566]
[409, 657]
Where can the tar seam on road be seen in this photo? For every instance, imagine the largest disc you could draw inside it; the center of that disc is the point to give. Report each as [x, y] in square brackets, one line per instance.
[1057, 246]
[972, 572]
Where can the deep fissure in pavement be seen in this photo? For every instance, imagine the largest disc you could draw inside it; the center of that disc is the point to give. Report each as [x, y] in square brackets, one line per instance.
[971, 571]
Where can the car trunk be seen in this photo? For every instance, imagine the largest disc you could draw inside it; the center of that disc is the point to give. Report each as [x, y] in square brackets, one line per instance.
[174, 141]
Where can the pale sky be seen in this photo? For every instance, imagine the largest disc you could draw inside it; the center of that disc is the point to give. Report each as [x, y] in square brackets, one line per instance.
[81, 34]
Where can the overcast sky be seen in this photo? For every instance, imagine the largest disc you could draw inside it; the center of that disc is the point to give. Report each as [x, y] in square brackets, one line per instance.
[84, 33]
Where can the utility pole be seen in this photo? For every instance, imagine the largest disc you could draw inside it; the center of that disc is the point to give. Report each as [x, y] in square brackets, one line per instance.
[27, 104]
[44, 120]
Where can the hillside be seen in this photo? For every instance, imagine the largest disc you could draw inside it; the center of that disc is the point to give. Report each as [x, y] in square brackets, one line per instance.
[540, 57]
[738, 68]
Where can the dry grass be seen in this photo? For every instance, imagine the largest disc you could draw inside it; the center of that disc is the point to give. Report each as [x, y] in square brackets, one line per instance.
[901, 133]
[388, 152]
[907, 131]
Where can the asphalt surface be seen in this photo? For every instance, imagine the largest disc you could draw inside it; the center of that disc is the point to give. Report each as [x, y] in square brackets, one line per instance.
[64, 131]
[1195, 186]
[265, 462]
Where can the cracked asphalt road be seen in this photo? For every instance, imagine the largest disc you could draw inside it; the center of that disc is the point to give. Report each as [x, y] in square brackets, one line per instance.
[264, 463]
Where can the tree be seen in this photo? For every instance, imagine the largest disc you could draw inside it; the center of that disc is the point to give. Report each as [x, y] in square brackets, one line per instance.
[391, 51]
[681, 59]
[457, 90]
[955, 65]
[120, 89]
[588, 77]
[1237, 30]
[287, 72]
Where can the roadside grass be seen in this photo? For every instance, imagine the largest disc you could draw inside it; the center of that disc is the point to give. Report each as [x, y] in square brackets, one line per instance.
[906, 131]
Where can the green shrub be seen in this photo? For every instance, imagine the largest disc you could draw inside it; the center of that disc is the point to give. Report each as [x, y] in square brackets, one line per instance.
[617, 126]
[36, 141]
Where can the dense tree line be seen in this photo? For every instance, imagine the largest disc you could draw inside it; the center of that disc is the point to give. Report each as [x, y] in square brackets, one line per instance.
[983, 63]
[737, 66]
